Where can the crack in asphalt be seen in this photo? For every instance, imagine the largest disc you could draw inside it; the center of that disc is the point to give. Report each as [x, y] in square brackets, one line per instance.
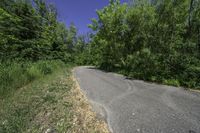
[124, 94]
[134, 106]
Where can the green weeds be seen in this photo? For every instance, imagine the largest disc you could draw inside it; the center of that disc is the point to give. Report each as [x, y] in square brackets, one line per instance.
[14, 75]
[41, 105]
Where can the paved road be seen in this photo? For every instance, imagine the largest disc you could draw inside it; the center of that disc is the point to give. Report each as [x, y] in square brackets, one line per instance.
[133, 106]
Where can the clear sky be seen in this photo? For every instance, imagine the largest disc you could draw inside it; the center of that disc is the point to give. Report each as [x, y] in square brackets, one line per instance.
[78, 11]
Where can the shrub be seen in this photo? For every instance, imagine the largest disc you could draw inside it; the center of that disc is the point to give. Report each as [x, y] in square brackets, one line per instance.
[173, 82]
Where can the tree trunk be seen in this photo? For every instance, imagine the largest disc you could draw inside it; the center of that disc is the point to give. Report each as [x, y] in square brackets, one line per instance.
[190, 12]
[198, 41]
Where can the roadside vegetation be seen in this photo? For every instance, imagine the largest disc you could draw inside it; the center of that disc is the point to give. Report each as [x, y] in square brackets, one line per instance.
[15, 75]
[53, 103]
[156, 40]
[37, 54]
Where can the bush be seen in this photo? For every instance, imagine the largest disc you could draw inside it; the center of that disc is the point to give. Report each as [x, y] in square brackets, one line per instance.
[173, 82]
[191, 77]
[141, 65]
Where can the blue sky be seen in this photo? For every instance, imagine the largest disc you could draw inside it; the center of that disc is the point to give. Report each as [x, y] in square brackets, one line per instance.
[78, 11]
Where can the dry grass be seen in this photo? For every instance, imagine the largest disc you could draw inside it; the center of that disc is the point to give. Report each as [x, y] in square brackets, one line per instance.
[85, 120]
[54, 104]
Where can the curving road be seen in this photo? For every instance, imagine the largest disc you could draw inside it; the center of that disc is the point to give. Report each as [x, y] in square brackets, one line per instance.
[134, 106]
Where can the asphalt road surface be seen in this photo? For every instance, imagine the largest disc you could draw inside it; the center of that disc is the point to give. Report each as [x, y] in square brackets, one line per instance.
[134, 106]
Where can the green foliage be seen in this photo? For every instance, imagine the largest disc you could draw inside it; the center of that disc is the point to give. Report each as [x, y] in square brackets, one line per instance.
[155, 41]
[34, 109]
[14, 75]
[172, 82]
[33, 32]
[30, 38]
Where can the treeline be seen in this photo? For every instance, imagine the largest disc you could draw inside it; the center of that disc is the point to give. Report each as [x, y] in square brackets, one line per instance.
[29, 30]
[155, 40]
[33, 43]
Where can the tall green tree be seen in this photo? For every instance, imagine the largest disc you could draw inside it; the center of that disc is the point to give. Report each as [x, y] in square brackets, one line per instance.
[153, 40]
[30, 30]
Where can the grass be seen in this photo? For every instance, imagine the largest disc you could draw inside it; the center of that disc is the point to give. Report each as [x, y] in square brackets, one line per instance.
[14, 75]
[49, 103]
[37, 106]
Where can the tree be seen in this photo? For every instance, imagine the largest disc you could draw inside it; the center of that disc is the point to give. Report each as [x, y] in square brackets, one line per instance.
[152, 40]
[34, 32]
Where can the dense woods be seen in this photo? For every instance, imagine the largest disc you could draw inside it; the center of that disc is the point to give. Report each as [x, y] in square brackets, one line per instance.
[151, 40]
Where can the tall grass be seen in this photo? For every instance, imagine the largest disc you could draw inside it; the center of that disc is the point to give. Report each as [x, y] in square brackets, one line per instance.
[14, 75]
